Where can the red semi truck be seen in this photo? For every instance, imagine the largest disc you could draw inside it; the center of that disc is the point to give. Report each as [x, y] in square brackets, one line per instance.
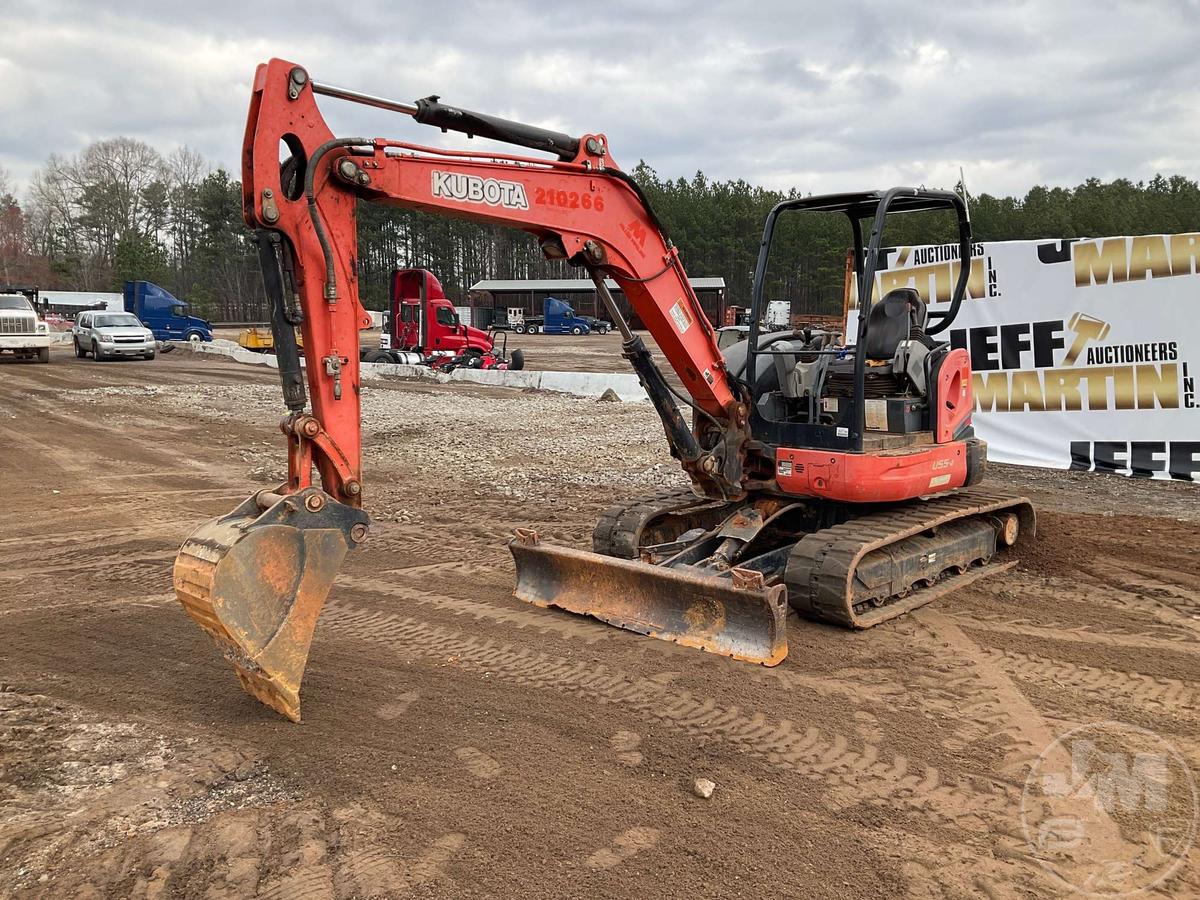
[422, 327]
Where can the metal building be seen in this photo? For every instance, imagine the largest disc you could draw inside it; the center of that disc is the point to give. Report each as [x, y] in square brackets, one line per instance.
[491, 299]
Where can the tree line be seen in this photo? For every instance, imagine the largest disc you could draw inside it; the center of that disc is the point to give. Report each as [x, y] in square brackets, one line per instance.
[121, 210]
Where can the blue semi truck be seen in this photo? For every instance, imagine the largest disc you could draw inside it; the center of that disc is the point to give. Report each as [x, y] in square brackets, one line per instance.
[558, 317]
[164, 314]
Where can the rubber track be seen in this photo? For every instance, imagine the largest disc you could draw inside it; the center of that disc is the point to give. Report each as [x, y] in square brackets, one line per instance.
[618, 533]
[821, 568]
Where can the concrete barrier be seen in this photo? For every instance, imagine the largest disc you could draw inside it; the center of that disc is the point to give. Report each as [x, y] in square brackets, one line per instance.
[231, 349]
[578, 384]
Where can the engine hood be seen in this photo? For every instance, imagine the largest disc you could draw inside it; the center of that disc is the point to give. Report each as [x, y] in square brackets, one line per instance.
[478, 338]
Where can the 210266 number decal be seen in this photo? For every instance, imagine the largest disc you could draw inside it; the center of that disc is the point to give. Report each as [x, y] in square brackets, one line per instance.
[568, 199]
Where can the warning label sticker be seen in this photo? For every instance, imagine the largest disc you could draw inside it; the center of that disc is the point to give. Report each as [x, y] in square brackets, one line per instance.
[876, 415]
[683, 321]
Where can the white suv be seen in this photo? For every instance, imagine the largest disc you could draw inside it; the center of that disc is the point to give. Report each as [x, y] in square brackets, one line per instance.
[21, 332]
[105, 334]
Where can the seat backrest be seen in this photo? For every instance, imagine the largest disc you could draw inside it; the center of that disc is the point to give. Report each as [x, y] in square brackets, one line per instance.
[785, 365]
[893, 320]
[766, 376]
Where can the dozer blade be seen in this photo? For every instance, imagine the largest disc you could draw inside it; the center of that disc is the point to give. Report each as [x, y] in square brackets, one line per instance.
[256, 580]
[736, 616]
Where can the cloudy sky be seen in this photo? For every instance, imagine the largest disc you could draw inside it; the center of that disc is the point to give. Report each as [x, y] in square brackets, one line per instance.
[815, 95]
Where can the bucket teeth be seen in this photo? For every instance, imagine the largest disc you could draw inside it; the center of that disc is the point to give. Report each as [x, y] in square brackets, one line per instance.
[256, 580]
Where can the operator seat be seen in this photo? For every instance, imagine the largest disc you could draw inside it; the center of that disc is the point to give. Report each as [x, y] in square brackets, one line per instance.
[899, 316]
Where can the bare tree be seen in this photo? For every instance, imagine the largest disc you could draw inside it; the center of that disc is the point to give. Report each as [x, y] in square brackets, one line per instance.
[185, 170]
[114, 178]
[12, 228]
[82, 206]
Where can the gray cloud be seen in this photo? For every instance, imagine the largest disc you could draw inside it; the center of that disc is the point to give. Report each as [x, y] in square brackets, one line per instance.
[808, 95]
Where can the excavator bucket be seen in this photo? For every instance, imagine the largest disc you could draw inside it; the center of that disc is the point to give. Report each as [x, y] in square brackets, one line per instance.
[256, 580]
[736, 615]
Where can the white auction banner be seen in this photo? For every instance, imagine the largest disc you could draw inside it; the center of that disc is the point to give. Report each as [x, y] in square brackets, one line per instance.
[1084, 352]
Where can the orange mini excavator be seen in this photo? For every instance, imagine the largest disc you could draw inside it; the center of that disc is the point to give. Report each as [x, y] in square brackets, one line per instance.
[823, 475]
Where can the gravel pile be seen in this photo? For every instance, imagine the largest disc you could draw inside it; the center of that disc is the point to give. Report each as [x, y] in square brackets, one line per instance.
[522, 446]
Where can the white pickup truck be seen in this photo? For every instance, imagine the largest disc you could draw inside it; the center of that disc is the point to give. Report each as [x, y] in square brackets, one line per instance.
[21, 331]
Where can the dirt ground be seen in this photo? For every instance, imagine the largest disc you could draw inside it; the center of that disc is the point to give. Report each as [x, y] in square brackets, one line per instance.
[457, 743]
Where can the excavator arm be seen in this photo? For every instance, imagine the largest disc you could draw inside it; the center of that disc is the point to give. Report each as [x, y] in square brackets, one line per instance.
[256, 579]
[582, 209]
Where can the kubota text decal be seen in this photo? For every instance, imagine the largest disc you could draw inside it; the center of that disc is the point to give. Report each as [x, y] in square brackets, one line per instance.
[474, 189]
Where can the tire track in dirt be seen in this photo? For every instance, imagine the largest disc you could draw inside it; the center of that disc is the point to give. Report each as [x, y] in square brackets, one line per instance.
[1093, 601]
[453, 534]
[1103, 683]
[1174, 577]
[365, 866]
[60, 457]
[429, 865]
[1168, 601]
[1069, 633]
[811, 753]
[1032, 733]
[165, 456]
[445, 547]
[141, 560]
[470, 572]
[147, 602]
[853, 772]
[377, 871]
[571, 627]
[852, 684]
[946, 687]
[1001, 707]
[82, 581]
[150, 525]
